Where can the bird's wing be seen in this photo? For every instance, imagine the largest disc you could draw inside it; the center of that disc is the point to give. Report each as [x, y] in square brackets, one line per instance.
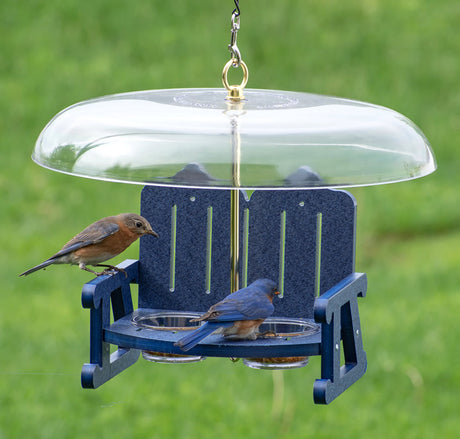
[190, 340]
[93, 234]
[246, 306]
[256, 307]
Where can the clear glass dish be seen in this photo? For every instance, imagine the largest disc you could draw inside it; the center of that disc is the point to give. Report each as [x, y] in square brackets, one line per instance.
[197, 138]
[283, 327]
[166, 321]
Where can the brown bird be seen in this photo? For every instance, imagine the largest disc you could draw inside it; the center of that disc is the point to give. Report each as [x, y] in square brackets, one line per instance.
[99, 242]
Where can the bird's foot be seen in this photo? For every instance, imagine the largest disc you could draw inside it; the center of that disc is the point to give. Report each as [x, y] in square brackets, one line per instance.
[266, 334]
[111, 269]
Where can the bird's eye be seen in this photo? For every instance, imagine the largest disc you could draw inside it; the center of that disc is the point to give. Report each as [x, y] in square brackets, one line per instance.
[138, 224]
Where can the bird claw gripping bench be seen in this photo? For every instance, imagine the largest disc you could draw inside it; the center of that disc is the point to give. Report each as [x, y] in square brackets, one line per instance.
[302, 239]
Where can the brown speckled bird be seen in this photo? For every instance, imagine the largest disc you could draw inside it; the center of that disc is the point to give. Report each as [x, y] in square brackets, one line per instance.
[99, 242]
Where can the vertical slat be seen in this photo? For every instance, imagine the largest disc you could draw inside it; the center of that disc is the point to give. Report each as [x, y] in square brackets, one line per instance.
[172, 253]
[244, 253]
[319, 228]
[208, 251]
[282, 253]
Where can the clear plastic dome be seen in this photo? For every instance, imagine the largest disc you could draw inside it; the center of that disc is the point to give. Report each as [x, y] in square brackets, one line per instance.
[272, 139]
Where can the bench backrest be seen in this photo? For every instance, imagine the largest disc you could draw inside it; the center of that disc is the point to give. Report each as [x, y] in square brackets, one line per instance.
[302, 239]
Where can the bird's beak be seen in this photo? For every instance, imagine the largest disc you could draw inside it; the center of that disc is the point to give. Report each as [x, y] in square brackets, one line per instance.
[152, 232]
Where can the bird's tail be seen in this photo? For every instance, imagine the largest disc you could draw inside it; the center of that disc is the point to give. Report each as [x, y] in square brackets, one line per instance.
[38, 267]
[190, 340]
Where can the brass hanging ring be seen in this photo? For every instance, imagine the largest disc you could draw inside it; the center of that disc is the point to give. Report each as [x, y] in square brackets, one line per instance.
[235, 91]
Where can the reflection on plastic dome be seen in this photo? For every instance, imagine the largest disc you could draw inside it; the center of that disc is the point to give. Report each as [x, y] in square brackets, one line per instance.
[187, 137]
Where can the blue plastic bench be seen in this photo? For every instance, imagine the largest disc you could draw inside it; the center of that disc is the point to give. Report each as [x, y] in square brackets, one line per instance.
[303, 239]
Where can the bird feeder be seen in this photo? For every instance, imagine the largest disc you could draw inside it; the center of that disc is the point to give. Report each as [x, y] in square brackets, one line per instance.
[240, 184]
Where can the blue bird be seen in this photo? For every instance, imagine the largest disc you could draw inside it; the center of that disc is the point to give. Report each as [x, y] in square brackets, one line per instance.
[238, 316]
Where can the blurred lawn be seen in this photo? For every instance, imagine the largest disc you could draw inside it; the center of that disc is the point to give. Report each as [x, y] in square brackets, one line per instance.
[400, 54]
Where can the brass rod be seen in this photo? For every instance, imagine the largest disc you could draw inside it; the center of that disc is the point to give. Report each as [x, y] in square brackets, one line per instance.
[235, 208]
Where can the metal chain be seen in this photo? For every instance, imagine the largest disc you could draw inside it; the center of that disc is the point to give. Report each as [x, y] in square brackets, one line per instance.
[236, 11]
[236, 54]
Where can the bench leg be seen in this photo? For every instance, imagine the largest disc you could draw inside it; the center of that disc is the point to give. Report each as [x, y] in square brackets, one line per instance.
[98, 295]
[337, 311]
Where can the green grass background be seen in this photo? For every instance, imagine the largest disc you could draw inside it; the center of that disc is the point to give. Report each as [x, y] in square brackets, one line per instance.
[400, 54]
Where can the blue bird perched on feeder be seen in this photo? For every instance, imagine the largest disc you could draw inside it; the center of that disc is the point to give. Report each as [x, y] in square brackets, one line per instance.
[238, 316]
